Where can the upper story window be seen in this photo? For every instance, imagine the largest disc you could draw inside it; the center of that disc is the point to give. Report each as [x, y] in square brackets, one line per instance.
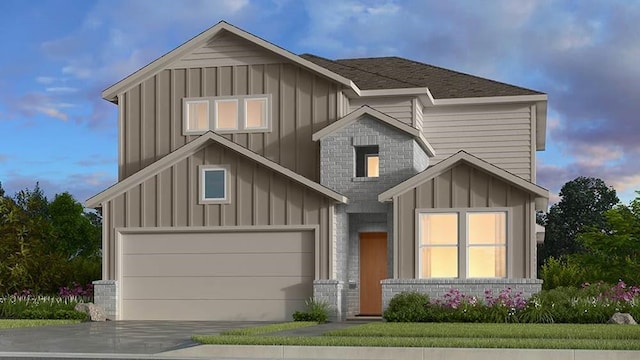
[367, 161]
[228, 114]
[465, 243]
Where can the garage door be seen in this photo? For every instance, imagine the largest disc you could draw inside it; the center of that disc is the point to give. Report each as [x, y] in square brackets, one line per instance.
[216, 276]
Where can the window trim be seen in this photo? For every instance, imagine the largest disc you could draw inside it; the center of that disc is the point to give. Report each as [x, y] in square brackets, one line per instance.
[366, 163]
[365, 156]
[185, 115]
[463, 239]
[202, 169]
[241, 108]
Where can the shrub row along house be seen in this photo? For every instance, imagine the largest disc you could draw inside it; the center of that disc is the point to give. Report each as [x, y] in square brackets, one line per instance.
[251, 179]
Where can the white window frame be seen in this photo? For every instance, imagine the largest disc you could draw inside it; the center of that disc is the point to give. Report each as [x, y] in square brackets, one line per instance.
[187, 129]
[463, 239]
[203, 169]
[241, 107]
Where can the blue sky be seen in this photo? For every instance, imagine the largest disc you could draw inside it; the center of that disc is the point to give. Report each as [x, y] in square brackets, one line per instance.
[59, 55]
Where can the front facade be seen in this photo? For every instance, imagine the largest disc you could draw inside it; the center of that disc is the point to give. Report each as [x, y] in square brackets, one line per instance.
[251, 179]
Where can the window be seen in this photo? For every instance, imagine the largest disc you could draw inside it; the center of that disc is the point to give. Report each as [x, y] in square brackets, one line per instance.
[197, 115]
[468, 242]
[367, 161]
[230, 114]
[214, 184]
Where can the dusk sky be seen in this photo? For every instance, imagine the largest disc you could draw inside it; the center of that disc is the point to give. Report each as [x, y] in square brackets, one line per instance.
[58, 56]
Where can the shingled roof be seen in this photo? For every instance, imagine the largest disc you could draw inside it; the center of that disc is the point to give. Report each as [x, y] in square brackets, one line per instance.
[397, 73]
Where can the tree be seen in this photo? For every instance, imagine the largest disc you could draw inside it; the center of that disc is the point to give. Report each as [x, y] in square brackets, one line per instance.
[583, 204]
[613, 254]
[74, 234]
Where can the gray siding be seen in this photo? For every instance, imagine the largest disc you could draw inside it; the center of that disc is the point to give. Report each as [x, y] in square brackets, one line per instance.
[258, 196]
[226, 49]
[399, 107]
[302, 104]
[498, 134]
[465, 187]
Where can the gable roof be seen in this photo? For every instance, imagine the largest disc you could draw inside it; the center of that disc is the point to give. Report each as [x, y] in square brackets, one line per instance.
[396, 72]
[366, 110]
[542, 194]
[190, 149]
[162, 62]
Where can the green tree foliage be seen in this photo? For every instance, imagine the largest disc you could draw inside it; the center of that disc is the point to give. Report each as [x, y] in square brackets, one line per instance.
[583, 204]
[612, 253]
[46, 245]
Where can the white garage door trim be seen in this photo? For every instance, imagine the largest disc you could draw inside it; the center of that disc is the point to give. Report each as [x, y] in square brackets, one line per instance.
[120, 234]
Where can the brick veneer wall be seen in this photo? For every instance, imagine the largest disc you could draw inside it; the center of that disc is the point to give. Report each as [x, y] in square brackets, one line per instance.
[331, 291]
[475, 287]
[105, 295]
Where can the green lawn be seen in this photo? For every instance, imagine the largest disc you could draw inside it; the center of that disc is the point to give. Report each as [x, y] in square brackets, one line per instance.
[11, 323]
[459, 335]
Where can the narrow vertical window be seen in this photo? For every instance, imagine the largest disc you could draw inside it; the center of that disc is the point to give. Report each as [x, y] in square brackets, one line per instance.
[226, 114]
[438, 245]
[214, 184]
[255, 113]
[197, 115]
[487, 244]
[367, 161]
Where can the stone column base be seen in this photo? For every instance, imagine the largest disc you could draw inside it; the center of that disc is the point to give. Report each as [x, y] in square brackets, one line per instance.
[331, 291]
[105, 295]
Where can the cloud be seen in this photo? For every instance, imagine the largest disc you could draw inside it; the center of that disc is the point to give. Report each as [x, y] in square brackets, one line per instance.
[3, 158]
[61, 89]
[97, 159]
[81, 185]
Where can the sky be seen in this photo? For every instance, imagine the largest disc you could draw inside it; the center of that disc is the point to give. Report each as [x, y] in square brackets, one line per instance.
[58, 56]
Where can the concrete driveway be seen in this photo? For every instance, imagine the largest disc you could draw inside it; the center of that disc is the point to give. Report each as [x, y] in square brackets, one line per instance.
[111, 337]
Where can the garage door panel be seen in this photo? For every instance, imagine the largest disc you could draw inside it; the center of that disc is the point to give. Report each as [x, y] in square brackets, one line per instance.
[216, 275]
[188, 243]
[223, 310]
[218, 288]
[219, 264]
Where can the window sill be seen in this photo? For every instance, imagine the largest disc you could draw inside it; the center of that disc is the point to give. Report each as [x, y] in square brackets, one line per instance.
[365, 179]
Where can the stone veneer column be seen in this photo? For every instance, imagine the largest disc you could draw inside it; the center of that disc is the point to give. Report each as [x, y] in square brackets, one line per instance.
[105, 295]
[330, 291]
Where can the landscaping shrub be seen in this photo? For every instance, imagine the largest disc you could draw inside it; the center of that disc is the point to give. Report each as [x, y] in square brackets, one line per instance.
[316, 310]
[590, 304]
[39, 307]
[407, 307]
[558, 272]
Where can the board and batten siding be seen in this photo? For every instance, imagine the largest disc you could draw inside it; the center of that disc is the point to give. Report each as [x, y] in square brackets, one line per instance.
[499, 134]
[464, 186]
[258, 196]
[398, 107]
[151, 113]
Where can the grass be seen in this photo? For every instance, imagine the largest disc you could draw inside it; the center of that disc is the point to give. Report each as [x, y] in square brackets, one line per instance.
[265, 329]
[13, 323]
[455, 335]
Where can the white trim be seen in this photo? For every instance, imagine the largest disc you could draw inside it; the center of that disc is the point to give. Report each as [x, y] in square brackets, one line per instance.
[202, 170]
[265, 113]
[216, 126]
[121, 142]
[463, 239]
[187, 130]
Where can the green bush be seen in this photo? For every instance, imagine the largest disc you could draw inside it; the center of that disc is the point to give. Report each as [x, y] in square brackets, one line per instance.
[408, 307]
[559, 272]
[38, 307]
[316, 310]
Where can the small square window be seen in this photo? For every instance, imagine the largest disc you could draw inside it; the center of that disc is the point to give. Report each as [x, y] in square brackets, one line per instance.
[214, 184]
[226, 114]
[367, 161]
[197, 115]
[255, 113]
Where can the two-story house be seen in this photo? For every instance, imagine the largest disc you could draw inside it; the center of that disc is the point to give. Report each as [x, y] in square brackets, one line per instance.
[251, 179]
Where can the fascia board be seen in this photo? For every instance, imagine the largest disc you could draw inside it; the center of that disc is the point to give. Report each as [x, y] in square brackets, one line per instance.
[541, 125]
[191, 148]
[491, 100]
[161, 63]
[444, 165]
[394, 92]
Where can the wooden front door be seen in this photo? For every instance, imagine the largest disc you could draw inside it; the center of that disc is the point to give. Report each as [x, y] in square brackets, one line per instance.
[373, 268]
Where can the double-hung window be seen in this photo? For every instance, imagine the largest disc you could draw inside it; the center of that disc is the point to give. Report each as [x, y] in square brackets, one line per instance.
[227, 114]
[466, 243]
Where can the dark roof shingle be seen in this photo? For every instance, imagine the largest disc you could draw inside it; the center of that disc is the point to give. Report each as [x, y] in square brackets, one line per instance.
[396, 73]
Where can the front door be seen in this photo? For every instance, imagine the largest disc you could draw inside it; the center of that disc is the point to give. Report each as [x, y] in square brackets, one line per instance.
[373, 269]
